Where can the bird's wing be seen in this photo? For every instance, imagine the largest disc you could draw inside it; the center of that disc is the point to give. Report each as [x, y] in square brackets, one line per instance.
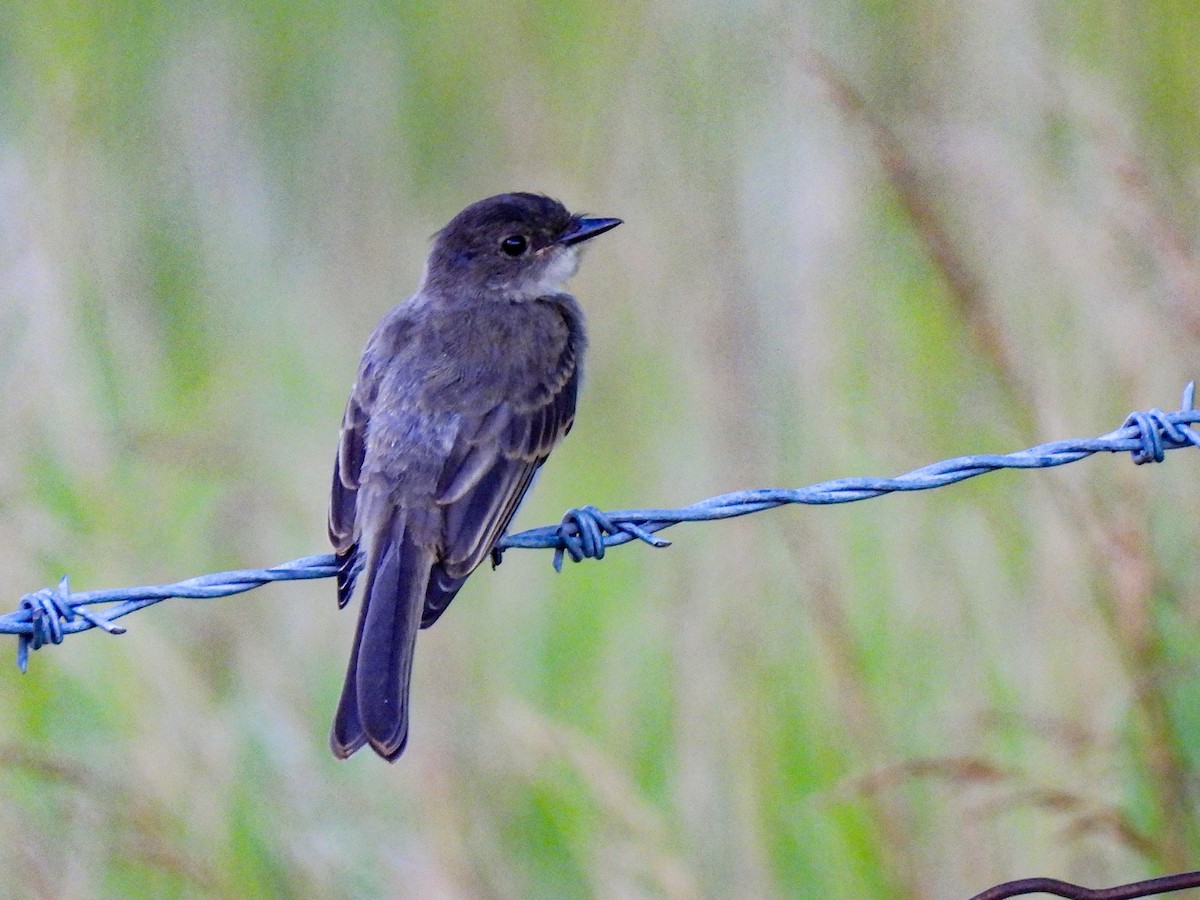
[347, 469]
[494, 460]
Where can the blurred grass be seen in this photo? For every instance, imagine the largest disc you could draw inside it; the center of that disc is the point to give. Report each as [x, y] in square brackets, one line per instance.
[990, 242]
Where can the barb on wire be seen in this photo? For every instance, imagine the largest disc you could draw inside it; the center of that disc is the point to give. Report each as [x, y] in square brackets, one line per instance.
[47, 616]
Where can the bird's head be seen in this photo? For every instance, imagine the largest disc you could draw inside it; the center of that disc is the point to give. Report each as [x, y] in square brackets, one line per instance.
[513, 246]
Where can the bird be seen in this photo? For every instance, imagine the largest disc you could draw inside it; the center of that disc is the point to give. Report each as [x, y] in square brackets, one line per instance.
[462, 391]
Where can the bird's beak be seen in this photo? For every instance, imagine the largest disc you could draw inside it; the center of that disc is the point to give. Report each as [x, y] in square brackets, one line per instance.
[583, 229]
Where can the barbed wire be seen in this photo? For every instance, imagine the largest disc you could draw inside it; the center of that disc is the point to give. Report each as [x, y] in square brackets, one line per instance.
[586, 532]
[47, 616]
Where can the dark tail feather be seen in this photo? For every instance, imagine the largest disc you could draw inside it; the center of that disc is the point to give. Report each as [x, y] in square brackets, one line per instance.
[347, 734]
[374, 704]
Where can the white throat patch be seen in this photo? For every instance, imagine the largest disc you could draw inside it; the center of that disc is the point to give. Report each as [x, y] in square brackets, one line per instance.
[563, 264]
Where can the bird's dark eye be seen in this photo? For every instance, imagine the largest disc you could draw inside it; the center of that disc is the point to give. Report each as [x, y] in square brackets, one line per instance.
[515, 244]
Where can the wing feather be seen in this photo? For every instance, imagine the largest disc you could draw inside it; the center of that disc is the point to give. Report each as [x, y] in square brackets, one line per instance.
[343, 498]
[483, 486]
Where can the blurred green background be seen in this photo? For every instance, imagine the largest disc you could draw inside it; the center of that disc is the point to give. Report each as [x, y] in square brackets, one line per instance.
[860, 237]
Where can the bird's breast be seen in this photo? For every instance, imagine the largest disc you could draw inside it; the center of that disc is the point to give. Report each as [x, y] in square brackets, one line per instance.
[495, 352]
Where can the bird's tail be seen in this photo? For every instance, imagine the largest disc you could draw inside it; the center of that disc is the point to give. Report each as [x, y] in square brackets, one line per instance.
[374, 704]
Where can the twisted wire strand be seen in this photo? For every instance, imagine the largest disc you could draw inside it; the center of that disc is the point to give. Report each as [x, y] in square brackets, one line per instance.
[48, 615]
[1166, 884]
[586, 532]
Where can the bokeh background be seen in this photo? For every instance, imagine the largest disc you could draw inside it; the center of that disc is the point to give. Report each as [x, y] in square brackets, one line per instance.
[860, 237]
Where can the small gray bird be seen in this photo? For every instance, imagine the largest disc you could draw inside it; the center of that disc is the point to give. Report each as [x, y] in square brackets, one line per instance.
[463, 390]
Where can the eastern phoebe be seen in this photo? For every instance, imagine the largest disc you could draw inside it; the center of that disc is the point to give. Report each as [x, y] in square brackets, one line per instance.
[463, 390]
